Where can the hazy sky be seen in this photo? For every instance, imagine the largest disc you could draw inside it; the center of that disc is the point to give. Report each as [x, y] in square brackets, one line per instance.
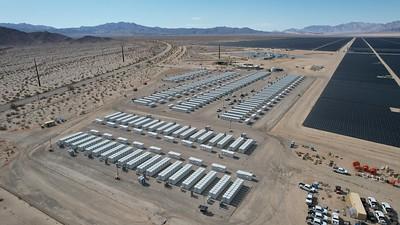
[257, 14]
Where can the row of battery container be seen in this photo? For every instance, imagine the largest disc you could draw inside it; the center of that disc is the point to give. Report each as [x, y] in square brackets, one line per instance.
[186, 76]
[163, 97]
[216, 93]
[172, 131]
[250, 109]
[155, 165]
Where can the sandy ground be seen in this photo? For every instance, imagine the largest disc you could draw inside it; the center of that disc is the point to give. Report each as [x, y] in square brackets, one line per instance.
[82, 191]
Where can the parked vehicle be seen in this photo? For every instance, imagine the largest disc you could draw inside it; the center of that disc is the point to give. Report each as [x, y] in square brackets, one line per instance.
[372, 202]
[321, 216]
[307, 187]
[335, 219]
[380, 217]
[320, 209]
[341, 170]
[309, 199]
[386, 208]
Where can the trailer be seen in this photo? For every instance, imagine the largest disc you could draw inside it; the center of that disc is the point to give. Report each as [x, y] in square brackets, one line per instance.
[152, 134]
[108, 136]
[169, 139]
[188, 132]
[122, 140]
[138, 131]
[193, 178]
[111, 124]
[216, 139]
[106, 154]
[120, 154]
[94, 132]
[228, 153]
[225, 141]
[219, 187]
[155, 149]
[206, 148]
[187, 143]
[179, 131]
[218, 167]
[174, 155]
[196, 135]
[124, 127]
[204, 182]
[169, 171]
[150, 162]
[236, 144]
[246, 145]
[160, 165]
[122, 161]
[244, 175]
[195, 161]
[138, 160]
[230, 194]
[138, 144]
[180, 174]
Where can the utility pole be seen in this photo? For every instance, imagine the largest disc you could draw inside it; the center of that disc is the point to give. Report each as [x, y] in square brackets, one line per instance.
[122, 51]
[219, 52]
[37, 72]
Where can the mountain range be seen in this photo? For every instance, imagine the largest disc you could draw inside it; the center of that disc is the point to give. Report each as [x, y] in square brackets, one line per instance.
[15, 37]
[131, 29]
[23, 33]
[353, 27]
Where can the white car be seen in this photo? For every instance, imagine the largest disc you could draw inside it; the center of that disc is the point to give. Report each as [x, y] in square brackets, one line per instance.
[386, 208]
[335, 219]
[319, 221]
[321, 216]
[309, 199]
[380, 217]
[341, 170]
[372, 202]
[307, 187]
[320, 209]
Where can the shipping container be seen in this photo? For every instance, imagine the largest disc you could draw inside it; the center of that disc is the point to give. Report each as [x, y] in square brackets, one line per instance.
[193, 178]
[169, 171]
[219, 187]
[230, 194]
[180, 174]
[205, 182]
[150, 162]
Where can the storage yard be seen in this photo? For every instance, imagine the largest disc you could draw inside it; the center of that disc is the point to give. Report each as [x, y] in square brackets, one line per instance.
[191, 141]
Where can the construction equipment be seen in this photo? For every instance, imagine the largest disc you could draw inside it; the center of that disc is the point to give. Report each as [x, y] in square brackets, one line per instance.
[142, 180]
[203, 209]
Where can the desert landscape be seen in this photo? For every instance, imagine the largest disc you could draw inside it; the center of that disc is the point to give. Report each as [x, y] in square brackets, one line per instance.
[219, 126]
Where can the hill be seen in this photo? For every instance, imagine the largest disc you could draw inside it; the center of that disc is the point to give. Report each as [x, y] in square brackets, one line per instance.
[14, 37]
[353, 27]
[11, 37]
[132, 29]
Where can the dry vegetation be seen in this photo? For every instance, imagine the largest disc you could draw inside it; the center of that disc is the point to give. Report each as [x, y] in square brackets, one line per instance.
[89, 73]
